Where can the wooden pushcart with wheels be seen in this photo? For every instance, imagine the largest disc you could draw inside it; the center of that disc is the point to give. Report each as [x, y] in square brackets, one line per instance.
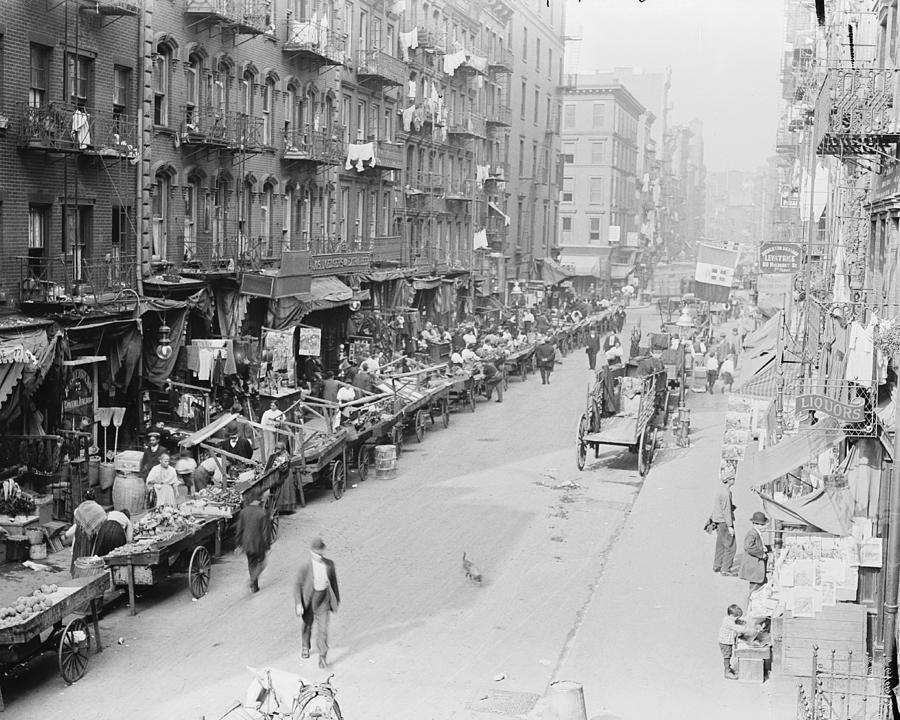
[623, 411]
[63, 629]
[188, 553]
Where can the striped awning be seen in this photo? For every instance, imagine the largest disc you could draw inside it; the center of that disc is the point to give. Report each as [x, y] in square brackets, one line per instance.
[764, 383]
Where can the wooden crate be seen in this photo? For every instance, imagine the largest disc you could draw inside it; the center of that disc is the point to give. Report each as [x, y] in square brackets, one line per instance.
[143, 574]
[841, 628]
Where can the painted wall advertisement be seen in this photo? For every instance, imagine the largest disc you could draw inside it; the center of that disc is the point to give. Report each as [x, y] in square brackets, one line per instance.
[78, 398]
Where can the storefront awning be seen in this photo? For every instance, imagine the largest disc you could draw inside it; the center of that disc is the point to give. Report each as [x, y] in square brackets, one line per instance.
[428, 283]
[325, 293]
[581, 265]
[762, 376]
[790, 453]
[552, 272]
[620, 272]
[829, 511]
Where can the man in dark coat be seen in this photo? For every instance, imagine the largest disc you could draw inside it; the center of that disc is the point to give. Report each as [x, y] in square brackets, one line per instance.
[253, 534]
[593, 347]
[493, 380]
[152, 452]
[330, 387]
[316, 595]
[237, 445]
[545, 356]
[753, 562]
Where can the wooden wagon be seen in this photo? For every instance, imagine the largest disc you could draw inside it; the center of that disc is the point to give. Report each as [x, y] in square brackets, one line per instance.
[62, 629]
[189, 553]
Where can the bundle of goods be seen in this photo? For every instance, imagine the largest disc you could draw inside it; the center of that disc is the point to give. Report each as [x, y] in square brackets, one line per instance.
[374, 413]
[164, 520]
[220, 496]
[201, 508]
[138, 546]
[13, 501]
[27, 607]
[317, 442]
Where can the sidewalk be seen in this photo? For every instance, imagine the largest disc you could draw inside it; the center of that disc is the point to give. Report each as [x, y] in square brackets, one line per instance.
[646, 645]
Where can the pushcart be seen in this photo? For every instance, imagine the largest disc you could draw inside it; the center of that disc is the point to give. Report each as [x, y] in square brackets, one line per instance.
[381, 418]
[189, 553]
[461, 392]
[623, 411]
[62, 629]
[520, 362]
[423, 395]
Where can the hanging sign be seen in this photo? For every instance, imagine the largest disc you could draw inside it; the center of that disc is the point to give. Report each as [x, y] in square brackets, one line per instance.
[340, 263]
[853, 411]
[309, 341]
[78, 398]
[774, 283]
[779, 257]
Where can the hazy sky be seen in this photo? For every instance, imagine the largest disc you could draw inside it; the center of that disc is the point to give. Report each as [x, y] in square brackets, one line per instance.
[725, 57]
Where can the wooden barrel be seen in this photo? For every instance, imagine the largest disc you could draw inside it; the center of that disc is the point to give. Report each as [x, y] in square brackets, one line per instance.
[38, 552]
[385, 460]
[107, 475]
[17, 548]
[35, 535]
[93, 471]
[129, 493]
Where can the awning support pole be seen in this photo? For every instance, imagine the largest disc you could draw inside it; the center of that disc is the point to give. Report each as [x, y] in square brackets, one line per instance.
[892, 569]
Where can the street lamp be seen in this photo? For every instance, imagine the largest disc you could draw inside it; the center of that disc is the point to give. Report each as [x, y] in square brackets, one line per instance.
[683, 427]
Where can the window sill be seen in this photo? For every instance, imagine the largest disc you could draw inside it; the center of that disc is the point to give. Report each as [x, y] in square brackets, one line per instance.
[164, 130]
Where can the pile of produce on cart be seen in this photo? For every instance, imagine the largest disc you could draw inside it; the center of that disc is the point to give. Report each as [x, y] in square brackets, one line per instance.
[25, 608]
[213, 501]
[164, 521]
[374, 412]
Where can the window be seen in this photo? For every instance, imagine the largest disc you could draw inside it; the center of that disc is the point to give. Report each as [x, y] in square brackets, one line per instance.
[121, 91]
[568, 189]
[596, 197]
[191, 197]
[537, 105]
[268, 112]
[524, 43]
[599, 117]
[161, 63]
[40, 73]
[524, 93]
[386, 214]
[266, 209]
[537, 53]
[521, 157]
[287, 220]
[550, 64]
[77, 237]
[569, 152]
[569, 116]
[567, 223]
[345, 214]
[345, 116]
[360, 121]
[123, 230]
[79, 80]
[534, 161]
[550, 121]
[159, 211]
[359, 224]
[598, 152]
[38, 223]
[223, 89]
[192, 92]
[247, 93]
[594, 232]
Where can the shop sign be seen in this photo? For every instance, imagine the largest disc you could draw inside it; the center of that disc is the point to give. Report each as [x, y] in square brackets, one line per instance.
[774, 283]
[340, 263]
[309, 341]
[79, 394]
[853, 411]
[779, 257]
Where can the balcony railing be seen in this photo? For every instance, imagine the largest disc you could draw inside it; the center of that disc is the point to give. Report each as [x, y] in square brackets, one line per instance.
[62, 127]
[389, 249]
[467, 125]
[312, 40]
[499, 115]
[377, 67]
[112, 7]
[205, 126]
[432, 40]
[388, 155]
[323, 147]
[500, 60]
[247, 17]
[496, 227]
[460, 190]
[498, 171]
[65, 279]
[855, 112]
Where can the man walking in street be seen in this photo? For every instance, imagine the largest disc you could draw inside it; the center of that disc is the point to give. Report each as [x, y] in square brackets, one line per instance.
[723, 516]
[253, 536]
[593, 347]
[315, 596]
[753, 564]
[545, 356]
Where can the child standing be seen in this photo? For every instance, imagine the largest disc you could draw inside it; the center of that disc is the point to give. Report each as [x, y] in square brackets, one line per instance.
[732, 627]
[712, 371]
[726, 373]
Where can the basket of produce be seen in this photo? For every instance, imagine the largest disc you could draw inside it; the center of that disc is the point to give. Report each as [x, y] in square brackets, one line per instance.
[90, 565]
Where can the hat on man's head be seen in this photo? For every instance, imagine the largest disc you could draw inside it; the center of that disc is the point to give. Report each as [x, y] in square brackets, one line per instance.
[317, 545]
[233, 429]
[153, 433]
[759, 518]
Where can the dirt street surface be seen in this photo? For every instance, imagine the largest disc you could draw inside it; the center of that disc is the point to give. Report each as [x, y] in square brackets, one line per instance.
[413, 639]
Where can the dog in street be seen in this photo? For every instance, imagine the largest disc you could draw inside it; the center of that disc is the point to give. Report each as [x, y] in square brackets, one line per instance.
[473, 574]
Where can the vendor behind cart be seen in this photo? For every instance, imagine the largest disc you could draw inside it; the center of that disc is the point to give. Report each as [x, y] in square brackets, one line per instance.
[653, 365]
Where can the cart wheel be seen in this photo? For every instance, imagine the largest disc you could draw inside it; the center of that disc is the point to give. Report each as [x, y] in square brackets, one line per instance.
[362, 462]
[199, 571]
[74, 650]
[420, 425]
[338, 479]
[471, 399]
[273, 527]
[646, 450]
[580, 444]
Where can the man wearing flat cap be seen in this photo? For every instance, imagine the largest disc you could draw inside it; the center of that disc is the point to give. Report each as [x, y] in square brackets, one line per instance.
[316, 595]
[152, 451]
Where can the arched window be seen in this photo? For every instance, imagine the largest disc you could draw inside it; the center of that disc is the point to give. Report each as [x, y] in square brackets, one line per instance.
[162, 63]
[291, 121]
[247, 81]
[193, 80]
[269, 113]
[267, 223]
[159, 212]
[287, 221]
